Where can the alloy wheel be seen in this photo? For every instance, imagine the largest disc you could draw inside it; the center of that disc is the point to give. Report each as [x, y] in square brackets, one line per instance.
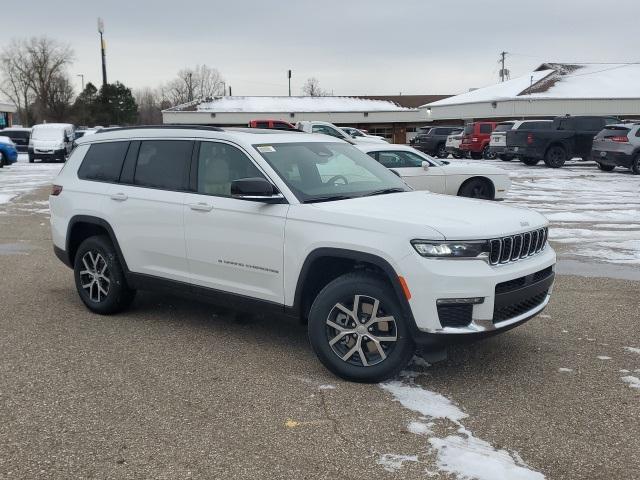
[360, 332]
[95, 279]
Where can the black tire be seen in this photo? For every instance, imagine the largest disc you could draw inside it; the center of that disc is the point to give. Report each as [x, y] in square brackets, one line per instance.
[475, 156]
[2, 160]
[635, 165]
[118, 294]
[457, 155]
[480, 188]
[605, 168]
[555, 157]
[441, 151]
[343, 290]
[530, 161]
[31, 159]
[487, 154]
[505, 158]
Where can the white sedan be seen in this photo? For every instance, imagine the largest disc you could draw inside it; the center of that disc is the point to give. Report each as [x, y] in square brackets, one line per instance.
[422, 172]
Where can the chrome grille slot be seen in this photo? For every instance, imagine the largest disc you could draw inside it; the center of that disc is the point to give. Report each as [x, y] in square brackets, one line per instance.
[513, 248]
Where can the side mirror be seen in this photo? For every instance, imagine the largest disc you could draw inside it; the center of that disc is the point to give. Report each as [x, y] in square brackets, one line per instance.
[425, 165]
[255, 189]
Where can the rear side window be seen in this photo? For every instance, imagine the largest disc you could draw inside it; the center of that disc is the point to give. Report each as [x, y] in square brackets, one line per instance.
[536, 126]
[589, 123]
[468, 129]
[504, 127]
[163, 164]
[103, 162]
[485, 128]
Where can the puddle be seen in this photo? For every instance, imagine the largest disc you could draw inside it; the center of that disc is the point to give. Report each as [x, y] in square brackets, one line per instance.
[13, 248]
[608, 270]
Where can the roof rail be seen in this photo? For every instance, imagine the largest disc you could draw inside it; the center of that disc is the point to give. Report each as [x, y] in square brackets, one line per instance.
[164, 126]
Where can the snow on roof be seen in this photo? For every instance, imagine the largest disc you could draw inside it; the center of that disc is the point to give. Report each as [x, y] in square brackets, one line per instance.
[560, 80]
[7, 107]
[297, 104]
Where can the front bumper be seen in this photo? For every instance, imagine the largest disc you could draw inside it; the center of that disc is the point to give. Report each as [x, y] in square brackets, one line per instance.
[616, 159]
[524, 152]
[36, 153]
[528, 280]
[498, 150]
[472, 147]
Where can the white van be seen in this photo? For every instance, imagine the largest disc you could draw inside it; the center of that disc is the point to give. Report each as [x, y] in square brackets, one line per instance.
[51, 141]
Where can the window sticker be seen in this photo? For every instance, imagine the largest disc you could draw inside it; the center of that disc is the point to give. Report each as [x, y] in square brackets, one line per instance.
[266, 149]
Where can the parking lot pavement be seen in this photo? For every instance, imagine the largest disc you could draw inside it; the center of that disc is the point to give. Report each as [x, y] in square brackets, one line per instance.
[178, 389]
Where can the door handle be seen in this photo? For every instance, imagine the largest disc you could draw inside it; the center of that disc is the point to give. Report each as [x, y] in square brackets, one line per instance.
[201, 207]
[119, 197]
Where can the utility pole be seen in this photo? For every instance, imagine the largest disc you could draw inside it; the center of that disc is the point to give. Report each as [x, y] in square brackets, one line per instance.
[102, 50]
[82, 78]
[503, 73]
[289, 74]
[230, 94]
[190, 87]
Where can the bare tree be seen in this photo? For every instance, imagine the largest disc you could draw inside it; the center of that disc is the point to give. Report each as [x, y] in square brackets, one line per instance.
[34, 74]
[59, 97]
[149, 106]
[312, 88]
[194, 84]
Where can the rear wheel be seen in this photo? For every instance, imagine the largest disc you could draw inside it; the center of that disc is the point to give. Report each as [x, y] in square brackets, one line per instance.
[357, 329]
[555, 157]
[441, 151]
[488, 154]
[99, 277]
[505, 158]
[2, 159]
[635, 165]
[605, 168]
[31, 159]
[530, 161]
[481, 188]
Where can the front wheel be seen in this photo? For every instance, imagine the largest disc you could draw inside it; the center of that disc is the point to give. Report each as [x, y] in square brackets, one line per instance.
[635, 165]
[441, 151]
[358, 330]
[477, 188]
[605, 168]
[488, 154]
[99, 277]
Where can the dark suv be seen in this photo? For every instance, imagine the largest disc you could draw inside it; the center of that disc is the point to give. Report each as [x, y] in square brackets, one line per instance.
[19, 136]
[434, 141]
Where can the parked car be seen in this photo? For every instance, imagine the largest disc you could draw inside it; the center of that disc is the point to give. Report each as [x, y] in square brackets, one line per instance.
[475, 140]
[51, 141]
[618, 146]
[423, 172]
[498, 143]
[327, 128]
[567, 138]
[300, 225]
[20, 137]
[419, 131]
[453, 145]
[272, 124]
[8, 152]
[357, 133]
[434, 141]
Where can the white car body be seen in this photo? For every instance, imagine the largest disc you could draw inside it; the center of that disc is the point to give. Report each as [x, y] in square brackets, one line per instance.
[330, 129]
[357, 133]
[441, 177]
[217, 242]
[51, 140]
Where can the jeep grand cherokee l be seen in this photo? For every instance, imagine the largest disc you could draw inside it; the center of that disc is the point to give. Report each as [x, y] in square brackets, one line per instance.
[301, 225]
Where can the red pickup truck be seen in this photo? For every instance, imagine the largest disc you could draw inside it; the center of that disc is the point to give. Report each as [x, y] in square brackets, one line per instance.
[272, 124]
[475, 139]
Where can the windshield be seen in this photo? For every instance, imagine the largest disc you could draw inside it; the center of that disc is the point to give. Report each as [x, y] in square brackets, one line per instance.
[47, 134]
[504, 127]
[317, 171]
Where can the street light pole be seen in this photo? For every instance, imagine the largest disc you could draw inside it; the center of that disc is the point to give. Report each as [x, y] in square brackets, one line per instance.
[289, 74]
[102, 50]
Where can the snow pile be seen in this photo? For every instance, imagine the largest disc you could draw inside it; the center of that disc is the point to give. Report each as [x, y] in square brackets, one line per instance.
[632, 349]
[392, 462]
[298, 104]
[462, 455]
[634, 382]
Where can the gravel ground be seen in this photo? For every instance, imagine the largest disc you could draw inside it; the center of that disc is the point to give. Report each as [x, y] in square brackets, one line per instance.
[178, 389]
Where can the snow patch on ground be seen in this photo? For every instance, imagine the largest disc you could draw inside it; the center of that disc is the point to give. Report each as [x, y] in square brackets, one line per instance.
[327, 387]
[565, 370]
[634, 382]
[392, 462]
[603, 357]
[632, 349]
[462, 455]
[23, 177]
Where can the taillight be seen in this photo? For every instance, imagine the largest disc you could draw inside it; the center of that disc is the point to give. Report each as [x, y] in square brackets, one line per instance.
[475, 139]
[619, 139]
[530, 139]
[56, 190]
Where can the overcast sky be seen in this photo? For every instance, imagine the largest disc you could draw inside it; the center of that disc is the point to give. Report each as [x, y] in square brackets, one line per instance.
[352, 46]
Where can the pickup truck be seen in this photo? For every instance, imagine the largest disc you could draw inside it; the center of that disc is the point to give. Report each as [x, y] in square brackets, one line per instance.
[567, 138]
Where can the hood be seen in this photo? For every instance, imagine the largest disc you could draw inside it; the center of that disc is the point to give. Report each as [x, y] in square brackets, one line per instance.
[369, 139]
[419, 213]
[467, 168]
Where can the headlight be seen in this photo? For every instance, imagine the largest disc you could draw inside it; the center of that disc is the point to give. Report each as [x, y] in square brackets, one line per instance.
[450, 249]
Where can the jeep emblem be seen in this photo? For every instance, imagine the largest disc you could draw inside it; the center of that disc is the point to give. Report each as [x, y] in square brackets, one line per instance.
[524, 224]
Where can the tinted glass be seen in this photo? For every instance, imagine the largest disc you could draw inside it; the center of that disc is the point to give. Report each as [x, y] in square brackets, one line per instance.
[588, 123]
[399, 159]
[262, 125]
[536, 125]
[220, 164]
[103, 162]
[15, 134]
[503, 127]
[485, 128]
[320, 170]
[163, 164]
[468, 129]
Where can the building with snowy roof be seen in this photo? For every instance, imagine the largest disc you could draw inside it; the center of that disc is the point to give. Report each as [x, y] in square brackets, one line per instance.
[395, 117]
[551, 90]
[6, 113]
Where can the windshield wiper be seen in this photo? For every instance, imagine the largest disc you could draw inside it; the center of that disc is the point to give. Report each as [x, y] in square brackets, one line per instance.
[385, 191]
[329, 198]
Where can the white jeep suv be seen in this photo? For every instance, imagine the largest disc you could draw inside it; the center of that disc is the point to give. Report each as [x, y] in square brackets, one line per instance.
[300, 225]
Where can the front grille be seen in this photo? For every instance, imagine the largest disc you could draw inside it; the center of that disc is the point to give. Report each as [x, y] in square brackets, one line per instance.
[455, 315]
[516, 247]
[507, 312]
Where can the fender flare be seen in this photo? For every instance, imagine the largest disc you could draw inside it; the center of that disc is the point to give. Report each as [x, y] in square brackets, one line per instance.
[100, 222]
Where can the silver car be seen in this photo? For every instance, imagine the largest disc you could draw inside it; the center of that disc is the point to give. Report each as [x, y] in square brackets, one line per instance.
[618, 146]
